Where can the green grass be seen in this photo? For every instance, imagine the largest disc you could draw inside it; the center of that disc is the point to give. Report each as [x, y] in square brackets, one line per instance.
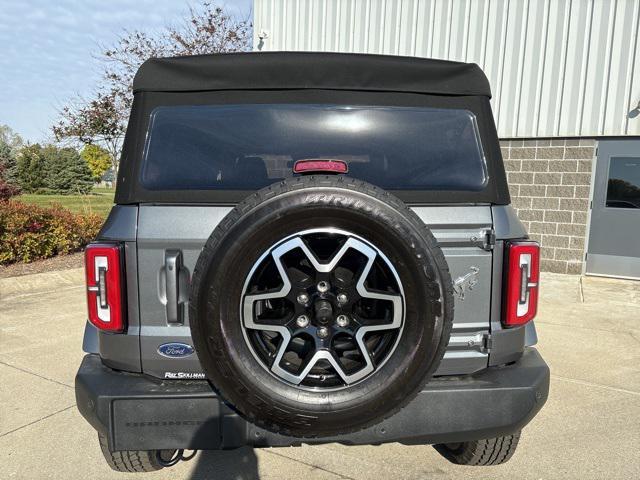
[99, 201]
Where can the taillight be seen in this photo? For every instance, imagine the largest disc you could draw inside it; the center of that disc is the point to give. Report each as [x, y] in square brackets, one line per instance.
[105, 286]
[522, 282]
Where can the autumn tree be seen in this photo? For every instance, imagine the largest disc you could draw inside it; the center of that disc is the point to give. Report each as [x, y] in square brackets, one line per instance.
[102, 118]
[98, 160]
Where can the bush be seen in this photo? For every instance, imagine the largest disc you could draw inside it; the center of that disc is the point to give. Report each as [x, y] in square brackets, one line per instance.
[7, 190]
[29, 233]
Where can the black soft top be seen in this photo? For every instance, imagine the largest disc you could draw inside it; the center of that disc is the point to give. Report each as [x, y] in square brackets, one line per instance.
[307, 78]
[310, 70]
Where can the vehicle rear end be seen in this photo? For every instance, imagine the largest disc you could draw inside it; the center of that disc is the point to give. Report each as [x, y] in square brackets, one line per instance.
[197, 150]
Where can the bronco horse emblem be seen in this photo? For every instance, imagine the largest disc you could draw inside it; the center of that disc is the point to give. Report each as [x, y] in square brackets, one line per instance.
[467, 281]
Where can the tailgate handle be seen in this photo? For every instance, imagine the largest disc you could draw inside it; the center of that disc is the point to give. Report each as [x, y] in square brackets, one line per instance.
[174, 276]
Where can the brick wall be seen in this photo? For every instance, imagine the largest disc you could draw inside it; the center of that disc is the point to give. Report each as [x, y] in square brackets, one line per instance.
[549, 181]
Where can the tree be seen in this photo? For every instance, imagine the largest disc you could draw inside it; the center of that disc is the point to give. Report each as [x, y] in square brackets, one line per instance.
[97, 159]
[10, 143]
[98, 121]
[50, 169]
[10, 138]
[8, 188]
[66, 171]
[30, 168]
[103, 119]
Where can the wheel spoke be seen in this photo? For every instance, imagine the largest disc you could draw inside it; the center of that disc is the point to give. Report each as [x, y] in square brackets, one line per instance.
[250, 300]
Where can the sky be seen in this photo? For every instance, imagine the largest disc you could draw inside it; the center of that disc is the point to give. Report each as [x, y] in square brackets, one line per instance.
[48, 49]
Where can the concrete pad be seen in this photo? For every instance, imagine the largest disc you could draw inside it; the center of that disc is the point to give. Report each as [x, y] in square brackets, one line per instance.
[67, 447]
[601, 357]
[26, 398]
[57, 362]
[589, 332]
[42, 332]
[589, 329]
[590, 302]
[582, 432]
[43, 318]
[40, 282]
[614, 291]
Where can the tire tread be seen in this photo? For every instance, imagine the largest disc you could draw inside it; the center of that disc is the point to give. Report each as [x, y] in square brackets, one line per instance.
[487, 452]
[133, 461]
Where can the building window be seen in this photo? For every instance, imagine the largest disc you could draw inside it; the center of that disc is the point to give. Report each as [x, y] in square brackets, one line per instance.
[623, 189]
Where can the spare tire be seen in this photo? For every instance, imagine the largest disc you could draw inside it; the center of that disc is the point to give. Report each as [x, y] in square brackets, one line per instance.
[320, 305]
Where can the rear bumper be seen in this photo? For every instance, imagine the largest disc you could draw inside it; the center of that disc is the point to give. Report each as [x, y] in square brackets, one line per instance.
[137, 412]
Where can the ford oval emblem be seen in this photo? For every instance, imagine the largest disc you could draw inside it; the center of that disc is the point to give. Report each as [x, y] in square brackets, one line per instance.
[175, 350]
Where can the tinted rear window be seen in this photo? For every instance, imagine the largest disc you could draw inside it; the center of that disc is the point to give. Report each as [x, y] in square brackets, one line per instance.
[245, 147]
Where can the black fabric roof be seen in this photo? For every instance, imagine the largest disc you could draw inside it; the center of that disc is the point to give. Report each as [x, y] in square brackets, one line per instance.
[310, 70]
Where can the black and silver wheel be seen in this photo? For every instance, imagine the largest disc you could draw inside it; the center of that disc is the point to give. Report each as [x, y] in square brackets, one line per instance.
[335, 316]
[320, 305]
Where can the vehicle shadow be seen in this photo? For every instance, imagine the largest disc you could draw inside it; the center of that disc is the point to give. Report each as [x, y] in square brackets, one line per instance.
[239, 464]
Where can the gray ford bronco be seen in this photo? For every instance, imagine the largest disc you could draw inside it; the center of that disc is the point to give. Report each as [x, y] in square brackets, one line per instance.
[310, 248]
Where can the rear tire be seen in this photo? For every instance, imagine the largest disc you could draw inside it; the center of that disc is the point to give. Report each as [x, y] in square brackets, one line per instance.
[133, 460]
[492, 451]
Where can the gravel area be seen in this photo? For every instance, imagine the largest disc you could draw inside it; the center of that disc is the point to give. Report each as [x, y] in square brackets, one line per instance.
[61, 262]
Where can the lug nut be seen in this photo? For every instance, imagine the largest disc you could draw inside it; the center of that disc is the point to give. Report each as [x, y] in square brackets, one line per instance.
[302, 321]
[323, 286]
[342, 321]
[303, 298]
[323, 332]
[342, 298]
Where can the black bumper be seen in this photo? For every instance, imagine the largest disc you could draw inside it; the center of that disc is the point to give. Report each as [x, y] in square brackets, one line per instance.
[137, 412]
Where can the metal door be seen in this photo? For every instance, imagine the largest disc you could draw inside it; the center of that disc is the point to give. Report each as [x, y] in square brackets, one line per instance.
[614, 235]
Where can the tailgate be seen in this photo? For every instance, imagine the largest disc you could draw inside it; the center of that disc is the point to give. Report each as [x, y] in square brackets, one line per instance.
[171, 237]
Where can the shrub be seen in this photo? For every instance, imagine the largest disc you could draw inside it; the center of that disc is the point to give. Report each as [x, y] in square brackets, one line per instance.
[7, 190]
[29, 233]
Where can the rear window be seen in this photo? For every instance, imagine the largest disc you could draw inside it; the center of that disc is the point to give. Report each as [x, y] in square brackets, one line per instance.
[245, 147]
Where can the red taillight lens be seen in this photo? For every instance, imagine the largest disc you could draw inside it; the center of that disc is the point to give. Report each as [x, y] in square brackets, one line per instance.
[522, 282]
[104, 286]
[325, 165]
